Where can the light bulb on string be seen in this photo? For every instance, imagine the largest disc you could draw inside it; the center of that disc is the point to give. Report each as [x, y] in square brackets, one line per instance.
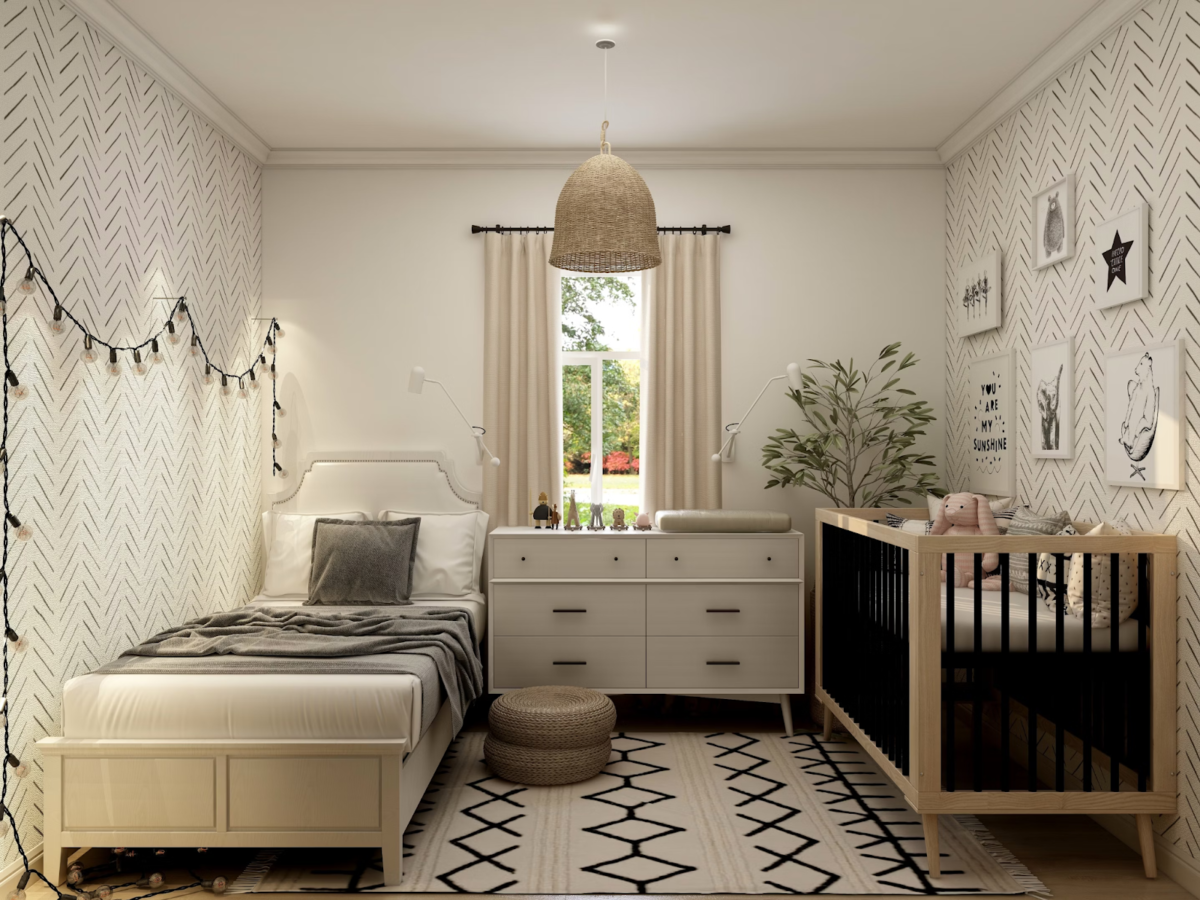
[226, 390]
[278, 331]
[19, 768]
[271, 372]
[28, 284]
[24, 532]
[140, 367]
[279, 410]
[104, 892]
[253, 380]
[181, 311]
[275, 441]
[195, 348]
[217, 885]
[242, 393]
[3, 460]
[18, 893]
[89, 354]
[153, 880]
[58, 324]
[280, 470]
[156, 356]
[172, 334]
[114, 365]
[208, 374]
[13, 387]
[75, 874]
[16, 642]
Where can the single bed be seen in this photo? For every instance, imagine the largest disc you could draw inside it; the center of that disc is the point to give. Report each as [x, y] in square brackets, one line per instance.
[264, 759]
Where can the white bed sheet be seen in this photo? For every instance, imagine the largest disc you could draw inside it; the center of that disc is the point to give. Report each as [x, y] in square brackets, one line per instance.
[1018, 626]
[253, 706]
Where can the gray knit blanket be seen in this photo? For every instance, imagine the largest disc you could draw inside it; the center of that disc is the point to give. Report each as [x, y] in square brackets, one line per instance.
[436, 645]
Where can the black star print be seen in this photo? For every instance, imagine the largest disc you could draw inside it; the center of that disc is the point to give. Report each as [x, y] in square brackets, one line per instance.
[1116, 257]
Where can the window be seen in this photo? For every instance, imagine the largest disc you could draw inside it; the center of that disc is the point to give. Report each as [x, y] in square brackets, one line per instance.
[601, 355]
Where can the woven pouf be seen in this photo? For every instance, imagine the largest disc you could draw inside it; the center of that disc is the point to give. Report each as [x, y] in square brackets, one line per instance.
[549, 735]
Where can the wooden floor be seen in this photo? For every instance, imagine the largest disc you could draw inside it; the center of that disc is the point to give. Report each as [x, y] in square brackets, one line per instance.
[1072, 855]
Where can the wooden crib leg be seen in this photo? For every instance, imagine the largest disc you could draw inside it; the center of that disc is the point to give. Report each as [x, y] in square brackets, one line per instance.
[932, 853]
[785, 704]
[1146, 839]
[828, 723]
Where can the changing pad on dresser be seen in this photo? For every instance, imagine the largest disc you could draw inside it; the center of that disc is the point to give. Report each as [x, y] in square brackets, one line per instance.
[722, 521]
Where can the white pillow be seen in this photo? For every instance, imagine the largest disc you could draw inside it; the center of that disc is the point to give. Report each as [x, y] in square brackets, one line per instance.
[289, 549]
[449, 551]
[1127, 583]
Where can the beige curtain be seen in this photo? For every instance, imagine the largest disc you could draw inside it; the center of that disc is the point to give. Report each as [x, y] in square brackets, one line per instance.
[522, 375]
[681, 376]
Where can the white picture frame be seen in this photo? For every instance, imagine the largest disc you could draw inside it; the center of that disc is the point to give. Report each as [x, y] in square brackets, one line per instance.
[1053, 224]
[978, 300]
[1123, 258]
[992, 461]
[1052, 400]
[1143, 417]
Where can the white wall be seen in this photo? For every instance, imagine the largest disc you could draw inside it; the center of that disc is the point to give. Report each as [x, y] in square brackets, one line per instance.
[374, 271]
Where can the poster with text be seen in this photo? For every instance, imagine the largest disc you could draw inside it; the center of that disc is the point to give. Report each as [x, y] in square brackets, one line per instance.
[992, 468]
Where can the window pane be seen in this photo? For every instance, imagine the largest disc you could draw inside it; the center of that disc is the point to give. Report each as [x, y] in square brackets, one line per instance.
[622, 432]
[602, 313]
[577, 437]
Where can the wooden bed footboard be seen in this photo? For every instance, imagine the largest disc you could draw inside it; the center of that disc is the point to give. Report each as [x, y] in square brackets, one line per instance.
[956, 722]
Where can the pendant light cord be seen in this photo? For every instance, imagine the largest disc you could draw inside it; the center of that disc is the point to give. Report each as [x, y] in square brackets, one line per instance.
[604, 145]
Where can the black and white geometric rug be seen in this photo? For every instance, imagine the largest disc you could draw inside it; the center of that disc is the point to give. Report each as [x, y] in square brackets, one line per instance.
[670, 814]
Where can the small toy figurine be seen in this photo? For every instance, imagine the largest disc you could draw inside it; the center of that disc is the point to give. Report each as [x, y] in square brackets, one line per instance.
[573, 515]
[555, 517]
[643, 522]
[619, 520]
[541, 512]
[597, 522]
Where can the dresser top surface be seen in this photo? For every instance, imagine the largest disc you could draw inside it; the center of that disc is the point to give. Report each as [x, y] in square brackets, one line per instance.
[549, 534]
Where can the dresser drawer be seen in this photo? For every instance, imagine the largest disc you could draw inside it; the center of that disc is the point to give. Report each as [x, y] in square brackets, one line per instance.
[569, 556]
[723, 609]
[723, 662]
[549, 609]
[599, 662]
[723, 557]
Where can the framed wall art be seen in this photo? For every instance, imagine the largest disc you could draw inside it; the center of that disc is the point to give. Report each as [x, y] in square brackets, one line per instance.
[1054, 223]
[992, 468]
[978, 299]
[1143, 417]
[1052, 411]
[1123, 258]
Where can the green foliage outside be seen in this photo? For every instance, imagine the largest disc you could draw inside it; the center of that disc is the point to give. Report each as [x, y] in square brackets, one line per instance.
[582, 331]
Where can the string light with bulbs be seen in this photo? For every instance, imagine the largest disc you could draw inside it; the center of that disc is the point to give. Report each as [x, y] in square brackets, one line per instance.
[143, 357]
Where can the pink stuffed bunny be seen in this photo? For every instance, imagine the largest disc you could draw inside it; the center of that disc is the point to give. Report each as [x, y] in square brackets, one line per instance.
[962, 515]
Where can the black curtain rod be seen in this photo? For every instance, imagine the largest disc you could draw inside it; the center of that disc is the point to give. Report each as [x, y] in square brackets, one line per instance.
[662, 229]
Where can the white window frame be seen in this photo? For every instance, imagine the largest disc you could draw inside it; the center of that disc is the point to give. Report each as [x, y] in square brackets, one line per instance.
[596, 360]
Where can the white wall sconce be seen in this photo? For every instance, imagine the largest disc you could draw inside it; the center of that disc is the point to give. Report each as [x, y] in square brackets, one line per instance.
[725, 454]
[416, 385]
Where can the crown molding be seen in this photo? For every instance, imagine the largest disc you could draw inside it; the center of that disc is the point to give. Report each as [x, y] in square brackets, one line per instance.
[569, 159]
[1101, 20]
[111, 21]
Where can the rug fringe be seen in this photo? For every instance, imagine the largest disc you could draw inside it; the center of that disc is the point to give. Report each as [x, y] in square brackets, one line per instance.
[1005, 858]
[253, 874]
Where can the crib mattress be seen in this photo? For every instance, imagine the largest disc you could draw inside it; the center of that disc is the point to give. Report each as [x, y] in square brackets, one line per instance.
[1018, 626]
[252, 706]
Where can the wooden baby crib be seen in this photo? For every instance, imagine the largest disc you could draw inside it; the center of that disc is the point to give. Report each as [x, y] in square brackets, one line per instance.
[919, 673]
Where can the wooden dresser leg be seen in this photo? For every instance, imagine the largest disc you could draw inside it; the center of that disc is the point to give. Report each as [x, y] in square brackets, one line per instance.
[1146, 839]
[828, 723]
[932, 853]
[785, 704]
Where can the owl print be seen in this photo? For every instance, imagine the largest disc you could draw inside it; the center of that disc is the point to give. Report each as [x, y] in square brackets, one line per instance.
[1055, 230]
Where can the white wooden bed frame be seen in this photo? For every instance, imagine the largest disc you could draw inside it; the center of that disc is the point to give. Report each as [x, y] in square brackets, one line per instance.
[263, 793]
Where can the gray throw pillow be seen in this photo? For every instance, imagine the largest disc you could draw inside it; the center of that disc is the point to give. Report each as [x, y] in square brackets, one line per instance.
[362, 563]
[1026, 522]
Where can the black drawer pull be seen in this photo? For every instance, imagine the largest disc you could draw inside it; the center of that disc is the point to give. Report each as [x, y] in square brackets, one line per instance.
[677, 559]
[570, 610]
[615, 558]
[723, 662]
[723, 610]
[768, 559]
[522, 559]
[570, 663]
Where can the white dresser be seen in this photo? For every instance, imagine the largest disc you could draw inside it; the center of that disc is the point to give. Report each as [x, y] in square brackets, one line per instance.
[648, 613]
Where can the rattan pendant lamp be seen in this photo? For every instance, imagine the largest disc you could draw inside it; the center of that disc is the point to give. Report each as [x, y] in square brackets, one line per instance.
[605, 220]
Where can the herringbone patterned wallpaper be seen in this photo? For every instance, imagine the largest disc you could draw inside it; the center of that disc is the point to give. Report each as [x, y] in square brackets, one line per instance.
[1125, 120]
[144, 492]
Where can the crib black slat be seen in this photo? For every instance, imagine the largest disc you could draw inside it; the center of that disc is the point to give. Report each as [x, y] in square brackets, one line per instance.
[1060, 592]
[1005, 761]
[904, 663]
[948, 744]
[1086, 705]
[1033, 662]
[1116, 707]
[1141, 728]
[976, 681]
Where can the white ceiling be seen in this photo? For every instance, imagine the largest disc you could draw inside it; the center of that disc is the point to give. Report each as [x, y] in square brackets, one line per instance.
[697, 74]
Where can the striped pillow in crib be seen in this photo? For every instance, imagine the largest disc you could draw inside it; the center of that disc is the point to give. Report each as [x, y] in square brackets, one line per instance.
[1024, 521]
[1047, 573]
[909, 526]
